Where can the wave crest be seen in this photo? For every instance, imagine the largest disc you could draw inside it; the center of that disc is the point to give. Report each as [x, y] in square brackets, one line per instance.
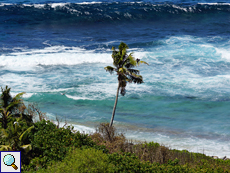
[101, 11]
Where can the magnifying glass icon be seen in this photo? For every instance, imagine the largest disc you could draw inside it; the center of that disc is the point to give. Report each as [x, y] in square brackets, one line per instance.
[9, 160]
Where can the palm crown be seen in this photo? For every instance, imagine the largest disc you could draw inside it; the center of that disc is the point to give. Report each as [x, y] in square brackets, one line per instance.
[8, 104]
[124, 67]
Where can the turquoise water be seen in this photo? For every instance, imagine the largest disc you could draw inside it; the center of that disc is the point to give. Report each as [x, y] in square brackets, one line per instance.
[51, 48]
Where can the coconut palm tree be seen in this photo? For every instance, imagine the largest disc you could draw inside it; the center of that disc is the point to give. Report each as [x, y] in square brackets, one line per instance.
[123, 66]
[8, 104]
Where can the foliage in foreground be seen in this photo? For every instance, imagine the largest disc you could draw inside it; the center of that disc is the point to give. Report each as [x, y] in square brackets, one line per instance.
[142, 157]
[82, 161]
[95, 161]
[51, 143]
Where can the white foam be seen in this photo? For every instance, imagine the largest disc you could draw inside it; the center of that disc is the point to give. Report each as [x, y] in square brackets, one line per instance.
[3, 4]
[215, 3]
[52, 5]
[28, 95]
[224, 53]
[86, 3]
[23, 83]
[78, 98]
[80, 128]
[56, 55]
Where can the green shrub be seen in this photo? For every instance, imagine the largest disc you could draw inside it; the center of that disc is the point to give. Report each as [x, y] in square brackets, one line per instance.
[82, 161]
[51, 143]
[129, 163]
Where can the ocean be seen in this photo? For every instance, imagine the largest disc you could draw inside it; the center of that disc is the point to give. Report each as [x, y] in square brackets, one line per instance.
[48, 48]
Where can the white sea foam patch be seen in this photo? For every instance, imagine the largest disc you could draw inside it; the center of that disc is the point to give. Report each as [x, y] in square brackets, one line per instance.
[5, 4]
[80, 128]
[215, 3]
[23, 83]
[28, 95]
[214, 88]
[78, 98]
[224, 53]
[52, 5]
[86, 3]
[55, 55]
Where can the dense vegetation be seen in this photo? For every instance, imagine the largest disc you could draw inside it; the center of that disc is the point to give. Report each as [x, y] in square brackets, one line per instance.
[46, 147]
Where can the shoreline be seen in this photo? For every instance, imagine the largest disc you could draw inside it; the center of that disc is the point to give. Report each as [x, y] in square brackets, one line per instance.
[135, 138]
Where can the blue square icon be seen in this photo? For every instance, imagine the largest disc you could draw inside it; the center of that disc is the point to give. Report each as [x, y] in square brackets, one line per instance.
[10, 161]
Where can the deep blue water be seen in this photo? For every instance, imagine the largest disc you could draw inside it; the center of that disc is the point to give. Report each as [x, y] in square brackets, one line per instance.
[53, 47]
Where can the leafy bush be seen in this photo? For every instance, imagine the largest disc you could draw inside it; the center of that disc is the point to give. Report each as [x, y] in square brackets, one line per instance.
[82, 161]
[129, 163]
[52, 143]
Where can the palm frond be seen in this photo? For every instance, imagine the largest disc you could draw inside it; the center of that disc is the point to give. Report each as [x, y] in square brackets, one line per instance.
[142, 62]
[25, 133]
[128, 80]
[123, 46]
[110, 69]
[5, 148]
[122, 70]
[123, 53]
[133, 71]
[12, 105]
[5, 96]
[132, 59]
[136, 78]
[18, 96]
[130, 62]
[4, 134]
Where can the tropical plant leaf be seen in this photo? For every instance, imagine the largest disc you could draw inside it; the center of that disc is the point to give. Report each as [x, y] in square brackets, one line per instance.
[110, 69]
[18, 96]
[27, 147]
[136, 78]
[24, 135]
[142, 62]
[133, 71]
[5, 148]
[4, 134]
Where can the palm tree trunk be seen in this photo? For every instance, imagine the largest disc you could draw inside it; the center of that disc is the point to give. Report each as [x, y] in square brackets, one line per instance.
[4, 122]
[4, 119]
[115, 105]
